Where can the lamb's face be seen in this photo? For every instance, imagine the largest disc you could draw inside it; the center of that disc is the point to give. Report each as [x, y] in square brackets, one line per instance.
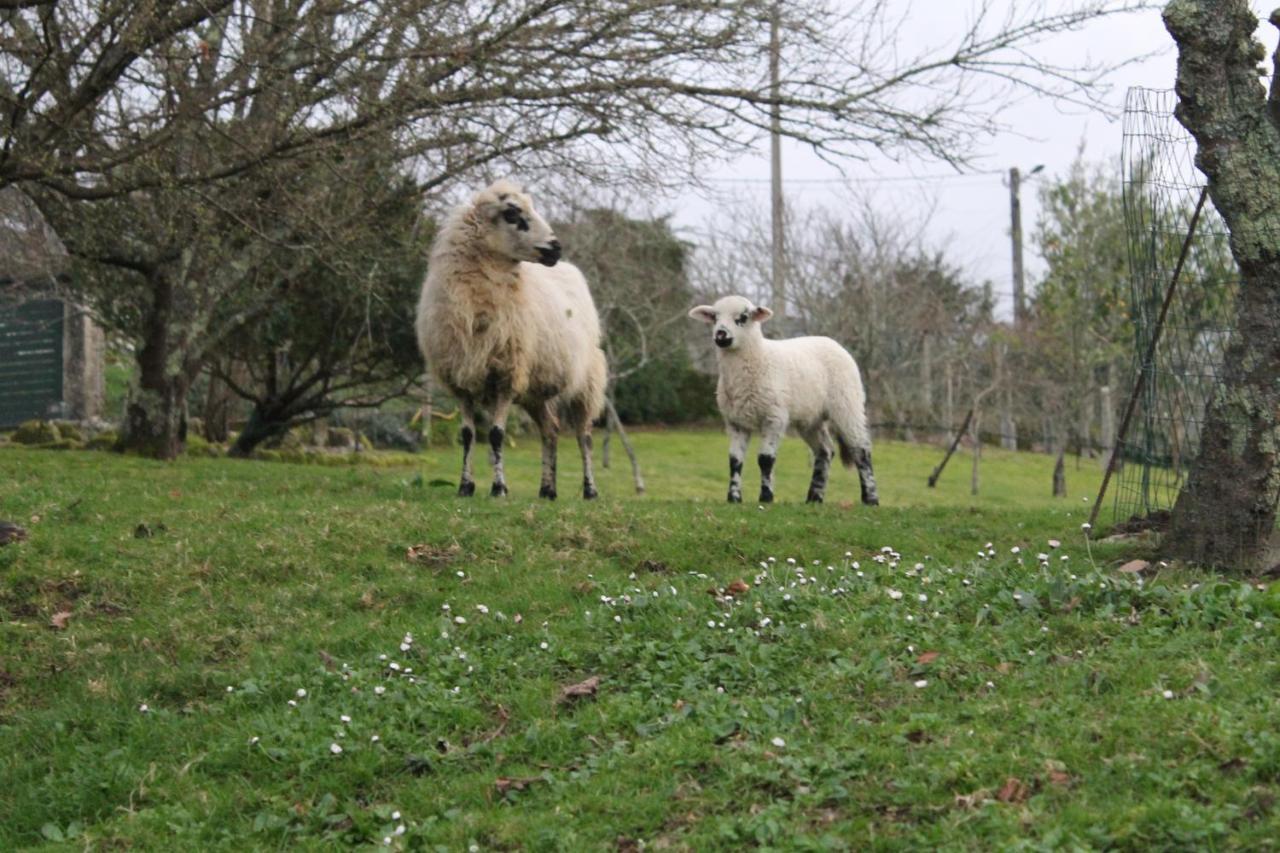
[514, 229]
[732, 319]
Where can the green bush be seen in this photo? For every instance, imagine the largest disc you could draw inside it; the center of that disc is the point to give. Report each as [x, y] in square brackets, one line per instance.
[669, 391]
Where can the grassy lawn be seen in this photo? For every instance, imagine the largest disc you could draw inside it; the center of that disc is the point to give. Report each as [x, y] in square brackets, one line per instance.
[869, 681]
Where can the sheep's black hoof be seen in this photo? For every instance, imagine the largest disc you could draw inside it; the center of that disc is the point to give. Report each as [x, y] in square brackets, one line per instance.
[873, 500]
[766, 496]
[466, 489]
[589, 493]
[498, 490]
[735, 497]
[813, 498]
[548, 492]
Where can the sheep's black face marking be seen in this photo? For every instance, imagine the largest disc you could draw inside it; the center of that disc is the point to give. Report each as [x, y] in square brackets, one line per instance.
[513, 215]
[742, 318]
[549, 255]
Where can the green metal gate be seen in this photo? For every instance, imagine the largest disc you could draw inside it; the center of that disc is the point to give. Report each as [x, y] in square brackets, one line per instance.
[30, 361]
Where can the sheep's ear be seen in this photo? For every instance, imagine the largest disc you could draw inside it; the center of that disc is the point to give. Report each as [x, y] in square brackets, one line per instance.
[490, 209]
[705, 313]
[761, 314]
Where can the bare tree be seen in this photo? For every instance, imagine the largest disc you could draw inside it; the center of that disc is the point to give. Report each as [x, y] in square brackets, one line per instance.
[195, 110]
[1226, 513]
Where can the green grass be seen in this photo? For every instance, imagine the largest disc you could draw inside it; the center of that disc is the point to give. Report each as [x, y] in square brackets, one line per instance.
[1048, 686]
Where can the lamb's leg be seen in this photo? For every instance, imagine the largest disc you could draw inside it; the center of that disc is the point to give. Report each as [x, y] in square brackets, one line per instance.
[549, 429]
[819, 441]
[588, 474]
[497, 435]
[738, 441]
[770, 438]
[467, 485]
[862, 459]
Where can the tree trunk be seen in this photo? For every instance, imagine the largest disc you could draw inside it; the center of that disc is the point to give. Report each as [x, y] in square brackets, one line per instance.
[1108, 420]
[1060, 472]
[220, 400]
[264, 424]
[155, 423]
[977, 451]
[1008, 425]
[1225, 515]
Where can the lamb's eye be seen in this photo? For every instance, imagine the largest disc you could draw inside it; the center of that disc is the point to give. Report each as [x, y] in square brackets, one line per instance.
[742, 319]
[511, 215]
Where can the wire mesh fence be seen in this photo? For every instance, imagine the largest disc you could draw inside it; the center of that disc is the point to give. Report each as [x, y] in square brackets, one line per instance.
[1161, 190]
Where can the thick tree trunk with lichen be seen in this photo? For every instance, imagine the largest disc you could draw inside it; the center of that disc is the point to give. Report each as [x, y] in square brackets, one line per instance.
[155, 423]
[1225, 515]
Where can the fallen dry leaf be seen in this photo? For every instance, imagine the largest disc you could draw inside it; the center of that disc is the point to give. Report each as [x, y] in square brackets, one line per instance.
[59, 620]
[738, 587]
[1059, 777]
[927, 657]
[972, 801]
[330, 664]
[504, 783]
[1134, 566]
[432, 555]
[10, 532]
[581, 690]
[1004, 668]
[1014, 790]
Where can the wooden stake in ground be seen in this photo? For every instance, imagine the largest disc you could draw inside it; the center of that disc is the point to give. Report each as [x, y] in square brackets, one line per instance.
[937, 472]
[615, 424]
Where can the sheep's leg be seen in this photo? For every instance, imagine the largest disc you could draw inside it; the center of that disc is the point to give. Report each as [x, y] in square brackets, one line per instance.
[770, 438]
[497, 435]
[588, 474]
[862, 459]
[549, 429]
[738, 440]
[467, 485]
[819, 441]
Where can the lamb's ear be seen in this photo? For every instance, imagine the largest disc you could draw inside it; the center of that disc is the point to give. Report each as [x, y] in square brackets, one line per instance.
[705, 313]
[761, 314]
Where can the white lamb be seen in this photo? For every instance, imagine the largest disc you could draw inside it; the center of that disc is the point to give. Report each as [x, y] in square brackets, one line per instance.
[496, 328]
[811, 383]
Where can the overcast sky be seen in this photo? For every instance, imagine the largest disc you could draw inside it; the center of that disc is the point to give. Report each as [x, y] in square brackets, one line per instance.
[970, 212]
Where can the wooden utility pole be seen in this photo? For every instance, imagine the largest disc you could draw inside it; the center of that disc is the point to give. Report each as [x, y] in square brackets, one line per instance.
[775, 155]
[1015, 235]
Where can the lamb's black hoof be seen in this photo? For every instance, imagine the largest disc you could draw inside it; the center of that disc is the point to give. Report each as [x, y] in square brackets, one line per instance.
[498, 490]
[548, 492]
[874, 500]
[766, 496]
[813, 498]
[735, 497]
[589, 493]
[466, 489]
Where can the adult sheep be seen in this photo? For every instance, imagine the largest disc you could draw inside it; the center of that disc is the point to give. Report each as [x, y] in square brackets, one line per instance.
[811, 383]
[501, 320]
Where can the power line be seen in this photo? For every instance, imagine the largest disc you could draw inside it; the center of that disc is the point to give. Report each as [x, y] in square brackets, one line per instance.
[864, 179]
